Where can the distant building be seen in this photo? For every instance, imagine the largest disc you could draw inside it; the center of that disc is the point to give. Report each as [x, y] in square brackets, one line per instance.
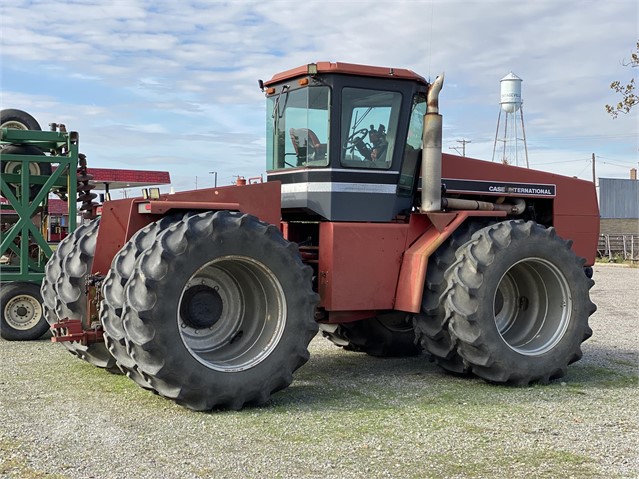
[58, 224]
[619, 205]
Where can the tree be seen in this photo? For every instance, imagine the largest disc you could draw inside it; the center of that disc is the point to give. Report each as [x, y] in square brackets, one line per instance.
[628, 96]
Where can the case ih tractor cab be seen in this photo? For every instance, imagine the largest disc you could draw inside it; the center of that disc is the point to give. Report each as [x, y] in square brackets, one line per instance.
[363, 229]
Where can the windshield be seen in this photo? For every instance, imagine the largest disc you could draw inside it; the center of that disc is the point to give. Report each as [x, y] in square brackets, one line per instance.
[369, 125]
[297, 125]
[413, 148]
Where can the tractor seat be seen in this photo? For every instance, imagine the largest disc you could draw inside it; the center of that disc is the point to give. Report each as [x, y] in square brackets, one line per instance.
[307, 146]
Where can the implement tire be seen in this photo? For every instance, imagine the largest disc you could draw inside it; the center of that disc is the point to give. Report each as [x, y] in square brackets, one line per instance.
[518, 303]
[15, 167]
[21, 317]
[431, 324]
[18, 120]
[219, 312]
[113, 296]
[21, 120]
[63, 290]
[386, 335]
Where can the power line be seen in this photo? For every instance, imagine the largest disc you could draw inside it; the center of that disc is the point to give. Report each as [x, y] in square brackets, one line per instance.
[562, 161]
[584, 169]
[613, 159]
[613, 164]
[586, 137]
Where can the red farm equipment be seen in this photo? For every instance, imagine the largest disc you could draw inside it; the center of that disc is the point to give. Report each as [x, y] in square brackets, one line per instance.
[363, 230]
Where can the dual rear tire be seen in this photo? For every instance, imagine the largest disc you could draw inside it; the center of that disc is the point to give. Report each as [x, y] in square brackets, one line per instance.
[516, 304]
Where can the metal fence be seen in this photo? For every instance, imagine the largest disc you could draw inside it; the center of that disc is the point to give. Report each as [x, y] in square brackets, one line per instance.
[619, 246]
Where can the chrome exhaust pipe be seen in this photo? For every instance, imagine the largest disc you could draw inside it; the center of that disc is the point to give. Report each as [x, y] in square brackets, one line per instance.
[432, 150]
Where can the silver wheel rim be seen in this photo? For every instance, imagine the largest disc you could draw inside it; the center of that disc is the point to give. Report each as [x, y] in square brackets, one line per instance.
[15, 167]
[14, 125]
[232, 313]
[532, 306]
[23, 312]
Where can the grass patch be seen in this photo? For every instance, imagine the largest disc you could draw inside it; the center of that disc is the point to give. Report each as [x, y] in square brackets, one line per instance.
[588, 375]
[624, 362]
[540, 464]
[81, 381]
[617, 259]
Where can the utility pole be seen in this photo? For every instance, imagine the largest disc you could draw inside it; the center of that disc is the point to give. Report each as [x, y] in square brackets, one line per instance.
[214, 173]
[594, 175]
[463, 143]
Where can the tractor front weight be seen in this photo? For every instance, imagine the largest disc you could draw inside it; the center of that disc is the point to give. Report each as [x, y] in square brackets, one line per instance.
[73, 330]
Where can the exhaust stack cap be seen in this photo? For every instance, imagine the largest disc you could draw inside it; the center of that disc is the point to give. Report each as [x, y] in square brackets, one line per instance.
[433, 94]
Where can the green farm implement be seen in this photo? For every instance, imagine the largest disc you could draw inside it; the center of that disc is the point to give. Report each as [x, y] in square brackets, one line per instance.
[35, 165]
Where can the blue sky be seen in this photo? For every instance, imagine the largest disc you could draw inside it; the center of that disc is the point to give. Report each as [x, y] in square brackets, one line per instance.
[172, 85]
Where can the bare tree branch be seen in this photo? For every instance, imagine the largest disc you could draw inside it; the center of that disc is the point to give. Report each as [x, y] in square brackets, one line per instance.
[629, 97]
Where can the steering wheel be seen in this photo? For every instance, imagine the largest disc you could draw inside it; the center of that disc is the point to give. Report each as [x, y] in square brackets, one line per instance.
[356, 138]
[356, 142]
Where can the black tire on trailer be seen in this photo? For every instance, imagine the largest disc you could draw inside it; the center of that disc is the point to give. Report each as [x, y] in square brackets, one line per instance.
[21, 120]
[64, 288]
[220, 311]
[519, 303]
[388, 334]
[18, 120]
[15, 167]
[431, 324]
[113, 295]
[21, 316]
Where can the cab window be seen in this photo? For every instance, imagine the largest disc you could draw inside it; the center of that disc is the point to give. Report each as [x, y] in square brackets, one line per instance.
[369, 125]
[297, 126]
[413, 147]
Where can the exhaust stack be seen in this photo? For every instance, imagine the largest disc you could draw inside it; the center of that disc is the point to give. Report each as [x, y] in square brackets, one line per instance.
[432, 150]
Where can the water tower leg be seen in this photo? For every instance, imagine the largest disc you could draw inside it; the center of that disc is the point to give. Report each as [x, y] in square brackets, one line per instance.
[523, 131]
[503, 158]
[496, 133]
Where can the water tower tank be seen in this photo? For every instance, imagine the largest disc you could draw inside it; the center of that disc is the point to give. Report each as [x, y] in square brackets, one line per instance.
[510, 93]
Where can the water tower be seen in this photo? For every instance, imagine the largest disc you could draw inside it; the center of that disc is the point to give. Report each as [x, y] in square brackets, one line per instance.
[512, 140]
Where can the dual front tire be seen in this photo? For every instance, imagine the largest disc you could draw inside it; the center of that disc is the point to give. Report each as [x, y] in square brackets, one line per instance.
[237, 311]
[214, 310]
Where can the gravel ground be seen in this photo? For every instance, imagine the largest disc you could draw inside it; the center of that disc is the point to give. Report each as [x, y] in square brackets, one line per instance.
[346, 415]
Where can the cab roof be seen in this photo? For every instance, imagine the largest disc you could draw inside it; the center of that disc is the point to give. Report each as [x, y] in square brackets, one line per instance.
[348, 69]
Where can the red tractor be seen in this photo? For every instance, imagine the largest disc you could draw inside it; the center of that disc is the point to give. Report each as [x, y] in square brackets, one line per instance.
[363, 230]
